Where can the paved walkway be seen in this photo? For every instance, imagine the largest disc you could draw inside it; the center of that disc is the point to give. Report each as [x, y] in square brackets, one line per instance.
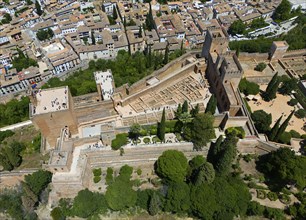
[18, 125]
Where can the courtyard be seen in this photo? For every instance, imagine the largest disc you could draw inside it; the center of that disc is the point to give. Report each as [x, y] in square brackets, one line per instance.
[278, 107]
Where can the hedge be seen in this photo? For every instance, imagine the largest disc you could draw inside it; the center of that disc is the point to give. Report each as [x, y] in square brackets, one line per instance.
[119, 141]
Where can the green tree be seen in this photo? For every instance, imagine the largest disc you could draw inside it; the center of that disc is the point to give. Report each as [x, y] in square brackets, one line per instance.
[226, 156]
[300, 113]
[140, 31]
[166, 57]
[282, 12]
[179, 111]
[88, 203]
[172, 166]
[237, 27]
[204, 174]
[274, 130]
[262, 120]
[202, 130]
[115, 15]
[260, 67]
[154, 204]
[194, 111]
[254, 208]
[119, 141]
[288, 86]
[134, 132]
[109, 176]
[50, 33]
[6, 18]
[178, 198]
[282, 167]
[149, 19]
[248, 88]
[211, 105]
[161, 128]
[38, 181]
[258, 23]
[200, 195]
[93, 39]
[120, 195]
[39, 11]
[283, 127]
[57, 214]
[272, 88]
[214, 150]
[185, 107]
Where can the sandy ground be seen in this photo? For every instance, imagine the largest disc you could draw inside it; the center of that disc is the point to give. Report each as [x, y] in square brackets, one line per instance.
[10, 181]
[276, 108]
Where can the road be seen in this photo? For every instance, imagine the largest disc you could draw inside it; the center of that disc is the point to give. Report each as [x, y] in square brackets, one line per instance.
[15, 126]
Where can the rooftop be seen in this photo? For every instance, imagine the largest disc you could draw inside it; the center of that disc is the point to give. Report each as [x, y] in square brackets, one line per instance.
[106, 82]
[50, 100]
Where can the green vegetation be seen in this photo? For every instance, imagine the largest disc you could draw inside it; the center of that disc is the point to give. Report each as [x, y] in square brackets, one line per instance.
[119, 141]
[272, 88]
[5, 134]
[14, 111]
[211, 105]
[22, 61]
[262, 121]
[274, 130]
[125, 69]
[260, 67]
[283, 12]
[201, 129]
[109, 175]
[301, 113]
[238, 27]
[161, 127]
[20, 204]
[283, 167]
[248, 88]
[97, 175]
[44, 34]
[172, 166]
[283, 127]
[39, 11]
[295, 38]
[6, 19]
[272, 196]
[10, 157]
[238, 131]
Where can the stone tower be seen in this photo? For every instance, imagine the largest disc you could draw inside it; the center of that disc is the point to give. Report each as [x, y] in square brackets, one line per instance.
[216, 40]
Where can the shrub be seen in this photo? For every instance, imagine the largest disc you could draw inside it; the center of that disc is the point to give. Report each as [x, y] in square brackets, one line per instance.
[119, 141]
[156, 139]
[109, 176]
[285, 138]
[260, 67]
[97, 179]
[294, 134]
[139, 171]
[293, 102]
[284, 198]
[301, 113]
[261, 194]
[248, 88]
[143, 132]
[272, 213]
[272, 196]
[247, 158]
[239, 131]
[146, 140]
[97, 172]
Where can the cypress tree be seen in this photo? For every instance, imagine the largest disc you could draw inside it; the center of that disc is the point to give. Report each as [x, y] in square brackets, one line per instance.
[272, 88]
[162, 127]
[38, 8]
[185, 107]
[195, 111]
[154, 204]
[115, 16]
[274, 130]
[93, 39]
[178, 111]
[166, 57]
[283, 127]
[211, 105]
[214, 150]
[140, 31]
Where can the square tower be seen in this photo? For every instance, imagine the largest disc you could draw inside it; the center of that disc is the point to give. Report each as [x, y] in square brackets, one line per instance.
[278, 49]
[216, 40]
[51, 110]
